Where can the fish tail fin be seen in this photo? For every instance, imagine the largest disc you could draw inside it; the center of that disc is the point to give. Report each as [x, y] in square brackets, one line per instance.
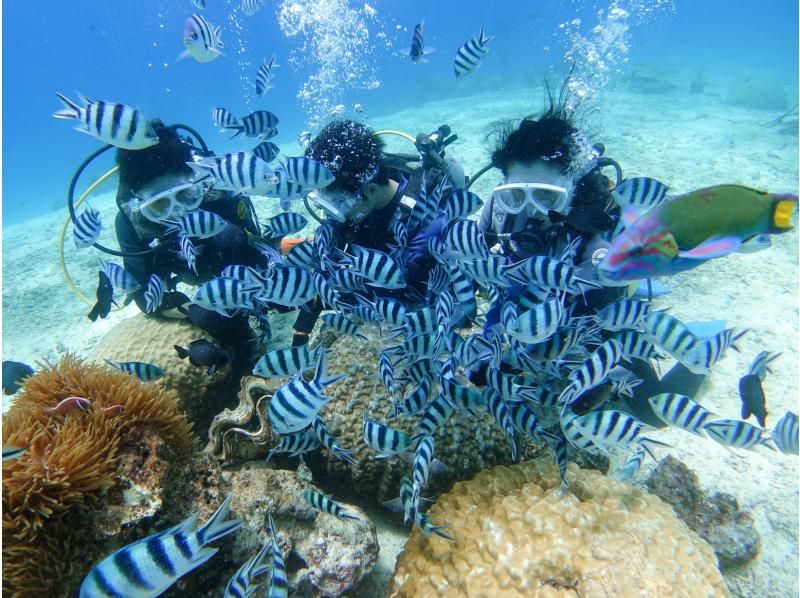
[736, 338]
[484, 39]
[648, 444]
[745, 411]
[321, 377]
[784, 205]
[218, 526]
[182, 353]
[70, 109]
[95, 313]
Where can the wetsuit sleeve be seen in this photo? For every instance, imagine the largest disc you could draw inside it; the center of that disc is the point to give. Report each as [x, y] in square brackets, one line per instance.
[305, 321]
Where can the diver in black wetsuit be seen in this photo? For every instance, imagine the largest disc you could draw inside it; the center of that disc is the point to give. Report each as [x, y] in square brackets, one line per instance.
[371, 191]
[548, 204]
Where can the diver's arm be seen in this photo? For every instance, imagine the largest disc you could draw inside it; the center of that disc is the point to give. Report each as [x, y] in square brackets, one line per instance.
[305, 321]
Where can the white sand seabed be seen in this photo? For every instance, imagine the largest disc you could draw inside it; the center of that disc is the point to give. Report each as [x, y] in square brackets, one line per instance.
[685, 141]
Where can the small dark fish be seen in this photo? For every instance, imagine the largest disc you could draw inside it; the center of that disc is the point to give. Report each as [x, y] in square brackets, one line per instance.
[14, 372]
[105, 297]
[753, 400]
[204, 353]
[205, 319]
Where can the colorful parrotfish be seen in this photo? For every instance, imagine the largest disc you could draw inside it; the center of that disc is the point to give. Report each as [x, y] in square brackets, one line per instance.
[693, 228]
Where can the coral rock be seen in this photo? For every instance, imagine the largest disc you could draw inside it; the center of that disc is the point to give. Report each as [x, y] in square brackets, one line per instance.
[517, 533]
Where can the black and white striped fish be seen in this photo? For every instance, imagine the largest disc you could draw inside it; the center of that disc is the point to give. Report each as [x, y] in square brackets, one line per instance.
[561, 342]
[347, 281]
[461, 204]
[632, 464]
[188, 251]
[391, 311]
[549, 273]
[197, 224]
[387, 441]
[260, 124]
[417, 51]
[116, 124]
[295, 404]
[538, 324]
[307, 172]
[242, 585]
[153, 294]
[681, 412]
[264, 76]
[386, 370]
[327, 505]
[246, 274]
[669, 334]
[708, 351]
[296, 443]
[593, 370]
[302, 256]
[286, 223]
[289, 286]
[11, 452]
[470, 56]
[499, 410]
[199, 4]
[331, 443]
[435, 414]
[202, 40]
[144, 371]
[640, 192]
[251, 7]
[423, 459]
[149, 566]
[343, 325]
[415, 401]
[488, 271]
[285, 189]
[330, 298]
[239, 172]
[438, 279]
[416, 347]
[223, 118]
[86, 229]
[221, 294]
[379, 269]
[760, 365]
[608, 428]
[121, 280]
[285, 362]
[464, 241]
[785, 434]
[636, 346]
[621, 315]
[279, 582]
[736, 433]
[267, 151]
[462, 286]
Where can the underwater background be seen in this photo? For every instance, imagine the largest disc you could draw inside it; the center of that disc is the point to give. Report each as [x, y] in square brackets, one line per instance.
[689, 93]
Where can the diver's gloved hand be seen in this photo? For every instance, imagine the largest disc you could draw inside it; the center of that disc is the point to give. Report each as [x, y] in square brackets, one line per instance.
[418, 247]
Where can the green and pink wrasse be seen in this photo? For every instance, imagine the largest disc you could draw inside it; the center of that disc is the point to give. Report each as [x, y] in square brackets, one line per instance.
[693, 228]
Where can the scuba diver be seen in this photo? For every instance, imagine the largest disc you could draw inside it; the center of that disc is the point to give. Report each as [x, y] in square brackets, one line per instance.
[374, 190]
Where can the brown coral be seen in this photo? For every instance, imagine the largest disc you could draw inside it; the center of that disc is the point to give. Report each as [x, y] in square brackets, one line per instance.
[517, 533]
[70, 457]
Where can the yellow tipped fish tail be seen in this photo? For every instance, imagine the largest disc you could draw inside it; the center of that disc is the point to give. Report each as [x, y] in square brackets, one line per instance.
[785, 206]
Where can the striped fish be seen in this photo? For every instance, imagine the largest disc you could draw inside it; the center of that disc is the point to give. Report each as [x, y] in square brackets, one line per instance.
[785, 434]
[423, 457]
[488, 271]
[115, 124]
[404, 502]
[420, 321]
[199, 4]
[251, 7]
[379, 269]
[461, 204]
[549, 273]
[435, 414]
[760, 365]
[296, 444]
[365, 314]
[609, 428]
[636, 346]
[149, 566]
[188, 251]
[420, 370]
[594, 369]
[387, 441]
[423, 522]
[121, 280]
[197, 224]
[202, 41]
[391, 311]
[420, 346]
[267, 151]
[386, 370]
[681, 412]
[153, 294]
[307, 172]
[499, 410]
[330, 298]
[669, 334]
[246, 274]
[241, 584]
[260, 124]
[463, 291]
[733, 432]
[284, 224]
[221, 294]
[632, 464]
[331, 443]
[302, 256]
[289, 286]
[640, 192]
[239, 172]
[278, 583]
[222, 118]
[11, 452]
[707, 352]
[286, 362]
[561, 342]
[470, 56]
[417, 50]
[415, 401]
[621, 315]
[438, 279]
[343, 325]
[264, 76]
[144, 371]
[574, 436]
[295, 404]
[327, 505]
[464, 241]
[285, 190]
[538, 324]
[86, 228]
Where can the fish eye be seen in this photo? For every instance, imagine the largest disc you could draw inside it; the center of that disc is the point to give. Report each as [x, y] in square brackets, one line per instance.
[636, 250]
[194, 35]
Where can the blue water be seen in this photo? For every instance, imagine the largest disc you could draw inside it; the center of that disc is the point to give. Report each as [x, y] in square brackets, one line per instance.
[126, 51]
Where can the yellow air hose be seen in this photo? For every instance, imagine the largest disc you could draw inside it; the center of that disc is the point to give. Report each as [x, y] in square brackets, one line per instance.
[64, 271]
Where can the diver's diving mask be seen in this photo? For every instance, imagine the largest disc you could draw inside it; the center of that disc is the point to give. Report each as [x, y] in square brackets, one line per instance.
[170, 203]
[339, 206]
[513, 198]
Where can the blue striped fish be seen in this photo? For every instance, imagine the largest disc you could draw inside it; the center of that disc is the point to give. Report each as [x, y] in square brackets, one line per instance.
[681, 412]
[423, 457]
[223, 118]
[144, 371]
[121, 280]
[733, 432]
[538, 324]
[640, 192]
[387, 441]
[330, 298]
[295, 404]
[260, 124]
[417, 51]
[86, 228]
[460, 204]
[707, 352]
[153, 294]
[379, 269]
[435, 414]
[284, 189]
[331, 443]
[499, 410]
[278, 583]
[621, 315]
[415, 401]
[609, 428]
[251, 7]
[632, 464]
[286, 362]
[760, 365]
[343, 325]
[307, 172]
[267, 151]
[295, 443]
[202, 41]
[464, 241]
[264, 76]
[189, 254]
[11, 452]
[785, 434]
[239, 172]
[470, 56]
[284, 224]
[669, 334]
[221, 294]
[148, 567]
[327, 505]
[289, 286]
[197, 224]
[593, 370]
[241, 584]
[112, 123]
[302, 256]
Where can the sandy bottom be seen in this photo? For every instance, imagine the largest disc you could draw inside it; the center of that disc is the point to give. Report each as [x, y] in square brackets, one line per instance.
[685, 141]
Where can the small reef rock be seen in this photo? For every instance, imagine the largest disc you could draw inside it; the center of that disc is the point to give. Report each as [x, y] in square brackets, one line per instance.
[759, 92]
[517, 533]
[717, 519]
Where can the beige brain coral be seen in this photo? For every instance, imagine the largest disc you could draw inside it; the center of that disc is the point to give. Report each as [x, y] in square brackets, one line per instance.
[518, 534]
